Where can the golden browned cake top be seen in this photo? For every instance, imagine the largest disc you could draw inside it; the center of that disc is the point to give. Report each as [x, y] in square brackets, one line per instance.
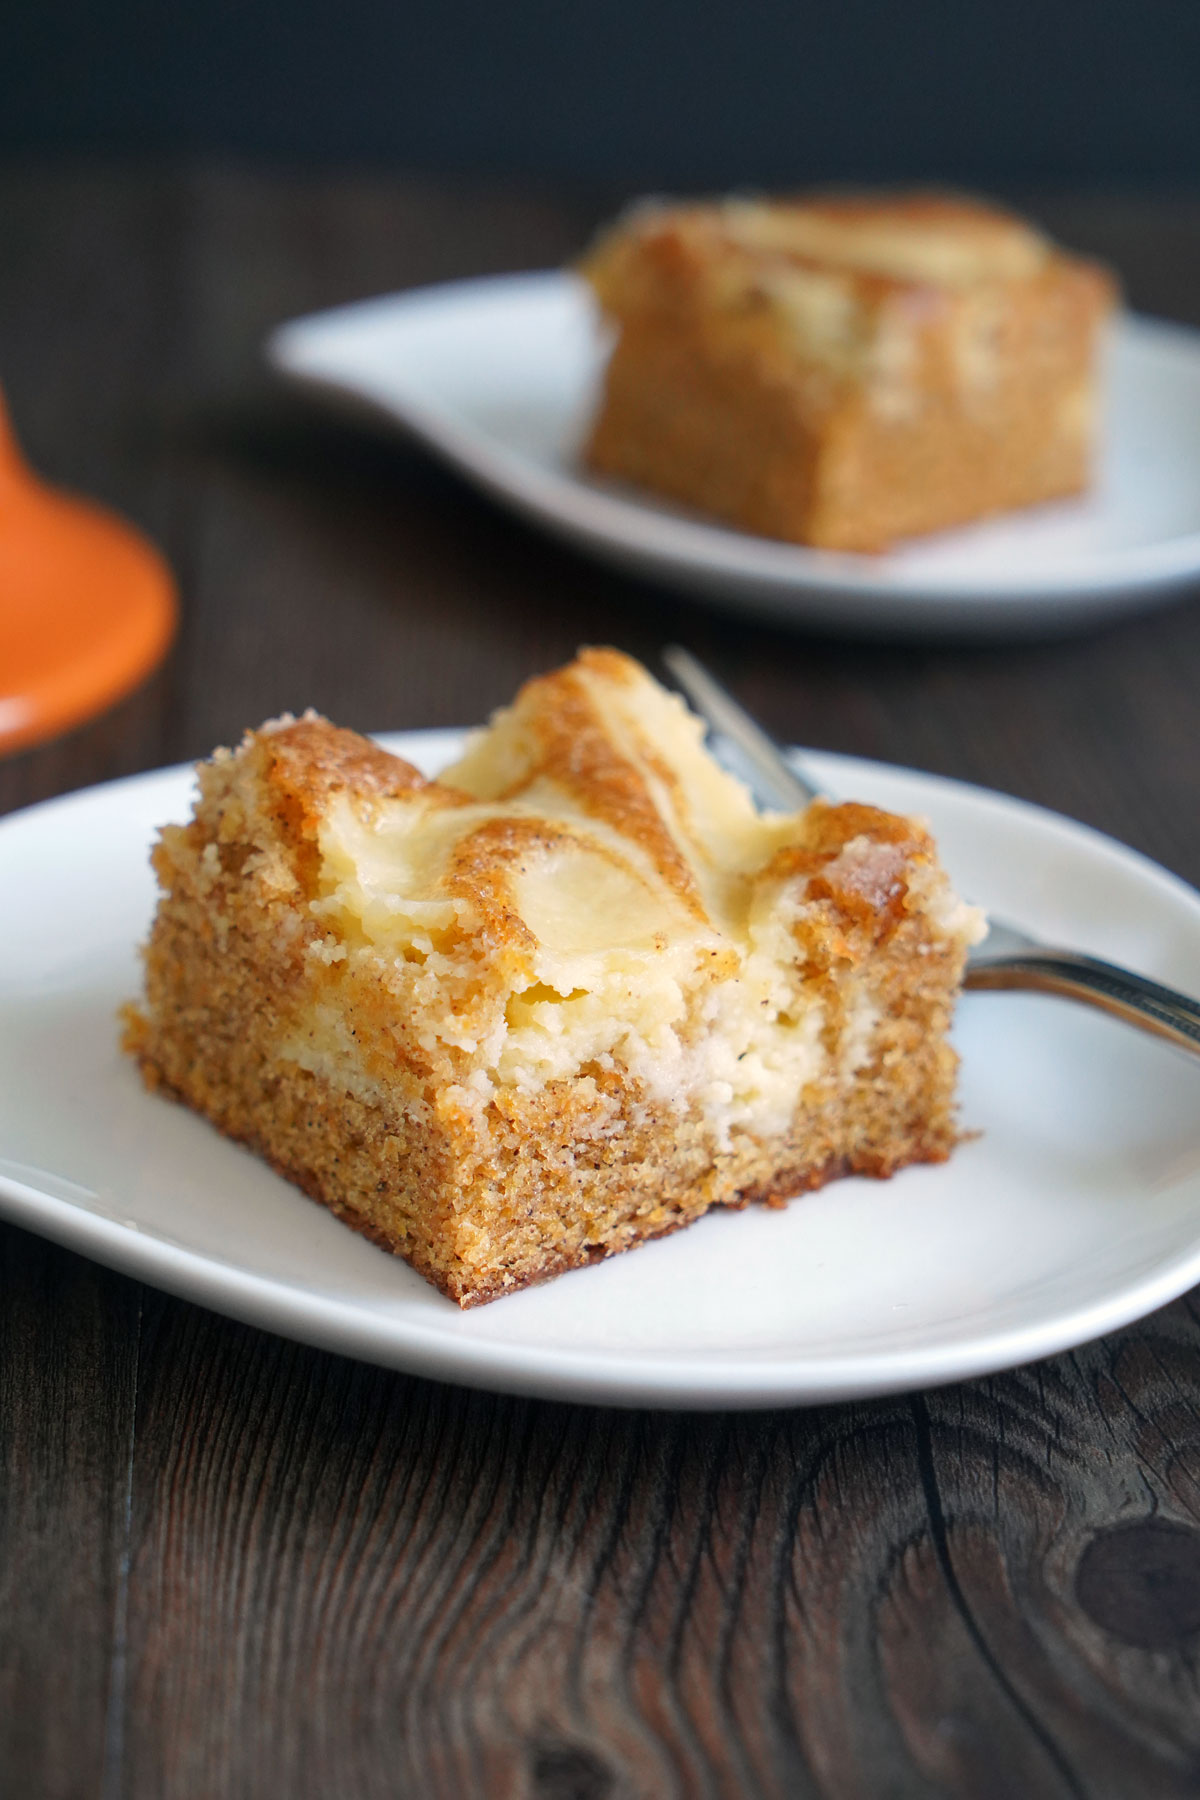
[846, 285]
[594, 786]
[587, 814]
[921, 239]
[584, 883]
[925, 239]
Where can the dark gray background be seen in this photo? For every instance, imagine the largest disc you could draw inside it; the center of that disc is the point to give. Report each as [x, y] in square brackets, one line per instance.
[645, 91]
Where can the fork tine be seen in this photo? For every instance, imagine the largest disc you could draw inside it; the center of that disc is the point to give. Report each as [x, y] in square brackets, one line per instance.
[723, 715]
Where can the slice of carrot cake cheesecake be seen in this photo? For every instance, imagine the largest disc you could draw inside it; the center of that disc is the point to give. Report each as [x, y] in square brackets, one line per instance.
[564, 998]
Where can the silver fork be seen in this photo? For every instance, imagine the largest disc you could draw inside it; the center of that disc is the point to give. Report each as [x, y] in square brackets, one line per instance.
[1009, 957]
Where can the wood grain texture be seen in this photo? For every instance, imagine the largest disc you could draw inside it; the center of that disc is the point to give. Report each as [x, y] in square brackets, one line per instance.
[68, 1371]
[231, 1566]
[1100, 1446]
[465, 1595]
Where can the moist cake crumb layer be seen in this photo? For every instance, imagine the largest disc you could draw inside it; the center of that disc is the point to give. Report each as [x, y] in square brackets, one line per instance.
[559, 1001]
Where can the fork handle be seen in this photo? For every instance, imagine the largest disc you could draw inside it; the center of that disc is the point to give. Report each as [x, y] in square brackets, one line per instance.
[1119, 992]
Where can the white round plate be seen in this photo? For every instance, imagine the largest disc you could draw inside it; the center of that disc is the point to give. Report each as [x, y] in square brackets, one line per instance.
[1075, 1209]
[498, 377]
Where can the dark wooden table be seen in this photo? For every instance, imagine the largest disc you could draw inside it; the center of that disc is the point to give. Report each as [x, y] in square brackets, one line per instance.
[232, 1566]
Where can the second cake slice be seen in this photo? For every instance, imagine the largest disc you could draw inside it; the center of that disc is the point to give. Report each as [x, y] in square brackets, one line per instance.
[847, 371]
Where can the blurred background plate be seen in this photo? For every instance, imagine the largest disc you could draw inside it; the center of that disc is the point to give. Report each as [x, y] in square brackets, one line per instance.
[498, 377]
